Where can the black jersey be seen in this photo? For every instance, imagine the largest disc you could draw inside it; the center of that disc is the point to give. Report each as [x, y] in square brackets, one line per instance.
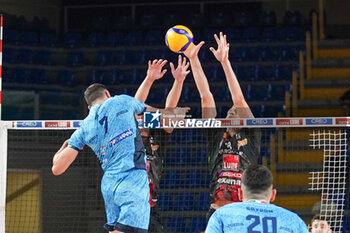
[155, 150]
[229, 157]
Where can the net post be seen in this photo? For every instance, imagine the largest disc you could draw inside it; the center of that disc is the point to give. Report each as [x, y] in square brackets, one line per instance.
[3, 174]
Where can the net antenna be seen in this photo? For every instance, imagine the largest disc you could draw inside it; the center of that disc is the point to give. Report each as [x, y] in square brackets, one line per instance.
[3, 146]
[331, 181]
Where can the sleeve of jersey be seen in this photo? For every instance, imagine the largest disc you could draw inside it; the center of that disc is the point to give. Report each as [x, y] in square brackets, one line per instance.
[76, 141]
[214, 224]
[302, 226]
[138, 106]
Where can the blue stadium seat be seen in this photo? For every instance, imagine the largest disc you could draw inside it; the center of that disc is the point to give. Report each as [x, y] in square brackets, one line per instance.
[269, 34]
[135, 76]
[11, 37]
[25, 56]
[182, 154]
[134, 38]
[193, 179]
[196, 225]
[96, 39]
[233, 35]
[50, 98]
[200, 157]
[119, 57]
[75, 59]
[7, 75]
[115, 39]
[171, 179]
[104, 58]
[290, 34]
[278, 92]
[283, 53]
[176, 225]
[148, 21]
[170, 20]
[243, 19]
[272, 111]
[268, 19]
[154, 37]
[11, 113]
[246, 89]
[38, 76]
[69, 114]
[29, 38]
[48, 39]
[276, 72]
[184, 202]
[251, 34]
[162, 53]
[9, 55]
[258, 110]
[208, 34]
[66, 78]
[220, 20]
[20, 75]
[292, 18]
[99, 24]
[264, 53]
[95, 76]
[123, 22]
[215, 73]
[165, 201]
[241, 54]
[196, 20]
[72, 40]
[256, 73]
[44, 57]
[203, 202]
[112, 77]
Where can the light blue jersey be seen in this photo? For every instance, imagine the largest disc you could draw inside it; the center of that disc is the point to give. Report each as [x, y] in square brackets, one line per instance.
[110, 130]
[255, 217]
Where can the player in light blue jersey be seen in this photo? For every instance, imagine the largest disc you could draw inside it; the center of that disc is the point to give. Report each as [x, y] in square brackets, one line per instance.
[110, 130]
[255, 214]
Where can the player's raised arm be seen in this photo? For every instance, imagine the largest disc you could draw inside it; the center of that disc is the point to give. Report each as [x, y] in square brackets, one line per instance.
[221, 54]
[63, 159]
[207, 99]
[179, 75]
[154, 72]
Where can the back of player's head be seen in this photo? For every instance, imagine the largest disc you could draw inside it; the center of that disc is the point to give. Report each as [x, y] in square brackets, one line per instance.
[94, 92]
[257, 180]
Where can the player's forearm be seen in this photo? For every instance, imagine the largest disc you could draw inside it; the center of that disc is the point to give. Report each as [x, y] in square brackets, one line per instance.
[174, 95]
[199, 77]
[233, 85]
[143, 91]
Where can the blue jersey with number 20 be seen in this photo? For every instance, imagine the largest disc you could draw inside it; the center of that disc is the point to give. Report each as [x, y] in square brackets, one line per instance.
[110, 130]
[255, 217]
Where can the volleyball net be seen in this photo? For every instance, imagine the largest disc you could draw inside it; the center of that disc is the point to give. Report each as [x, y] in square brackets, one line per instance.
[307, 157]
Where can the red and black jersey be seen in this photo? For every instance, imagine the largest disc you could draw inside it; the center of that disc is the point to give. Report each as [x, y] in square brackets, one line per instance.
[155, 150]
[229, 157]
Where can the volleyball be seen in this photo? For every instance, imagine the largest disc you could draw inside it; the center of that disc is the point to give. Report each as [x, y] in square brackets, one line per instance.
[179, 38]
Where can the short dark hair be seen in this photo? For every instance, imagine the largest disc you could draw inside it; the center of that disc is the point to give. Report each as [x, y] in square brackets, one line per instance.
[316, 217]
[93, 92]
[257, 179]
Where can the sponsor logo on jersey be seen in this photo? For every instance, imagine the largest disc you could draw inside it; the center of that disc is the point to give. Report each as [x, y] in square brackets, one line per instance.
[319, 121]
[120, 137]
[230, 181]
[230, 162]
[242, 142]
[236, 175]
[259, 122]
[57, 124]
[289, 121]
[29, 124]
